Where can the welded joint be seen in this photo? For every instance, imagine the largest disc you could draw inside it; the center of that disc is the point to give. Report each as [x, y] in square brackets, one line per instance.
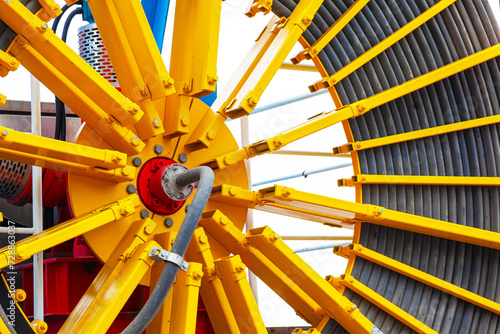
[347, 148]
[159, 255]
[259, 6]
[51, 7]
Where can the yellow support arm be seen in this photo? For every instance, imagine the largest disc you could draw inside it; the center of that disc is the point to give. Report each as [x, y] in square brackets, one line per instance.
[385, 305]
[68, 230]
[382, 46]
[212, 291]
[62, 57]
[330, 34]
[431, 180]
[185, 300]
[237, 287]
[423, 277]
[115, 282]
[70, 93]
[7, 63]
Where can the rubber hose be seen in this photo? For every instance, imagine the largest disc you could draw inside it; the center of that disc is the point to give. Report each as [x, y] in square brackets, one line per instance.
[206, 177]
[6, 321]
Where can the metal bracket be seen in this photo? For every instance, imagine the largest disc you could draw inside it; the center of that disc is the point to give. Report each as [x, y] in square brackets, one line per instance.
[159, 255]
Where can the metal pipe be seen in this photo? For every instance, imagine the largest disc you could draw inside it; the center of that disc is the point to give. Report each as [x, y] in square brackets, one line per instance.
[312, 154]
[310, 249]
[304, 174]
[285, 102]
[315, 237]
[18, 230]
[36, 129]
[303, 68]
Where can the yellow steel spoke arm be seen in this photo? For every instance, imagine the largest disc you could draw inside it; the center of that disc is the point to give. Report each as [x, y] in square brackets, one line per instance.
[69, 91]
[298, 203]
[7, 63]
[431, 180]
[330, 34]
[126, 66]
[385, 305]
[58, 150]
[62, 57]
[68, 230]
[423, 277]
[212, 291]
[412, 135]
[114, 284]
[243, 100]
[3, 99]
[237, 287]
[382, 46]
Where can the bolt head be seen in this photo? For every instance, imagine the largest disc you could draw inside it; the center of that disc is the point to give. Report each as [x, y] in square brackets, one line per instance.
[185, 121]
[136, 161]
[158, 149]
[169, 222]
[5, 132]
[157, 123]
[232, 191]
[135, 141]
[148, 229]
[182, 158]
[131, 188]
[144, 214]
[203, 239]
[126, 171]
[21, 255]
[198, 274]
[211, 134]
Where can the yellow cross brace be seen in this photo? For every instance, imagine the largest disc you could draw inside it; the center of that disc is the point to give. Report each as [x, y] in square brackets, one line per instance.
[412, 135]
[382, 46]
[69, 230]
[62, 57]
[257, 6]
[423, 277]
[431, 180]
[330, 34]
[385, 305]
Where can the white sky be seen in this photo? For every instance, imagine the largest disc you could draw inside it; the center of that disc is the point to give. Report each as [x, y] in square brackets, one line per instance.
[237, 35]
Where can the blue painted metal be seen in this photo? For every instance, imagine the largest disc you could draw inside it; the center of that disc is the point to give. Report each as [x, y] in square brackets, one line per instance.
[87, 14]
[157, 13]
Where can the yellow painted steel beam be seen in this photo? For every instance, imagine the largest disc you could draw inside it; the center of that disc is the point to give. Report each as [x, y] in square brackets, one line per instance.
[427, 79]
[110, 290]
[412, 135]
[62, 57]
[125, 63]
[185, 299]
[51, 7]
[330, 34]
[297, 201]
[385, 305]
[259, 6]
[194, 60]
[69, 230]
[337, 306]
[120, 138]
[303, 68]
[59, 150]
[239, 293]
[161, 322]
[212, 291]
[117, 175]
[423, 277]
[382, 46]
[431, 180]
[290, 30]
[313, 124]
[7, 63]
[3, 100]
[223, 230]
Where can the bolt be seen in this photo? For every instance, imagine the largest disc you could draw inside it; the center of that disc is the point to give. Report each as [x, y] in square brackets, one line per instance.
[126, 171]
[203, 239]
[21, 255]
[168, 83]
[228, 160]
[278, 142]
[135, 108]
[362, 107]
[136, 161]
[352, 307]
[223, 221]
[127, 210]
[5, 132]
[157, 123]
[158, 149]
[232, 191]
[144, 214]
[185, 121]
[198, 274]
[20, 295]
[314, 51]
[183, 158]
[169, 222]
[12, 61]
[148, 229]
[240, 267]
[286, 192]
[252, 102]
[135, 141]
[44, 26]
[55, 8]
[213, 79]
[274, 237]
[131, 188]
[307, 19]
[211, 134]
[358, 145]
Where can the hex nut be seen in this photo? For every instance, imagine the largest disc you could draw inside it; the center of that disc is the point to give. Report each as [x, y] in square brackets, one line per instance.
[158, 149]
[131, 188]
[182, 158]
[136, 161]
[144, 214]
[169, 222]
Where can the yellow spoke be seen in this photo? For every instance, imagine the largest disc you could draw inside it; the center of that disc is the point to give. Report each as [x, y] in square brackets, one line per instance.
[417, 179]
[69, 230]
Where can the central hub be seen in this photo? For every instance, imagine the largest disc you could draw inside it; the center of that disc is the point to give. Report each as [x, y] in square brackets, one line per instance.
[158, 189]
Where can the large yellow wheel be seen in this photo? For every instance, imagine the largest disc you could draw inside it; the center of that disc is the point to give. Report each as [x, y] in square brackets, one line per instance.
[416, 85]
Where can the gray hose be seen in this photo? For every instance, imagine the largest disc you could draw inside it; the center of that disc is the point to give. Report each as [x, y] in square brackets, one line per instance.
[5, 320]
[206, 177]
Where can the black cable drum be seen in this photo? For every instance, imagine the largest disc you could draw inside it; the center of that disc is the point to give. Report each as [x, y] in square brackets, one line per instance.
[466, 27]
[7, 35]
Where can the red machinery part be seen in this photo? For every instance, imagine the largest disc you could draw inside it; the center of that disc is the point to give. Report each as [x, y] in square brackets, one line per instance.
[149, 187]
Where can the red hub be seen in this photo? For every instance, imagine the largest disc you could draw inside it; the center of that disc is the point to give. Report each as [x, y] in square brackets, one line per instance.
[150, 187]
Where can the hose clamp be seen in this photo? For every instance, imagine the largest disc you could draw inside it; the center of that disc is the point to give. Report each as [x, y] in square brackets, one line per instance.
[158, 255]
